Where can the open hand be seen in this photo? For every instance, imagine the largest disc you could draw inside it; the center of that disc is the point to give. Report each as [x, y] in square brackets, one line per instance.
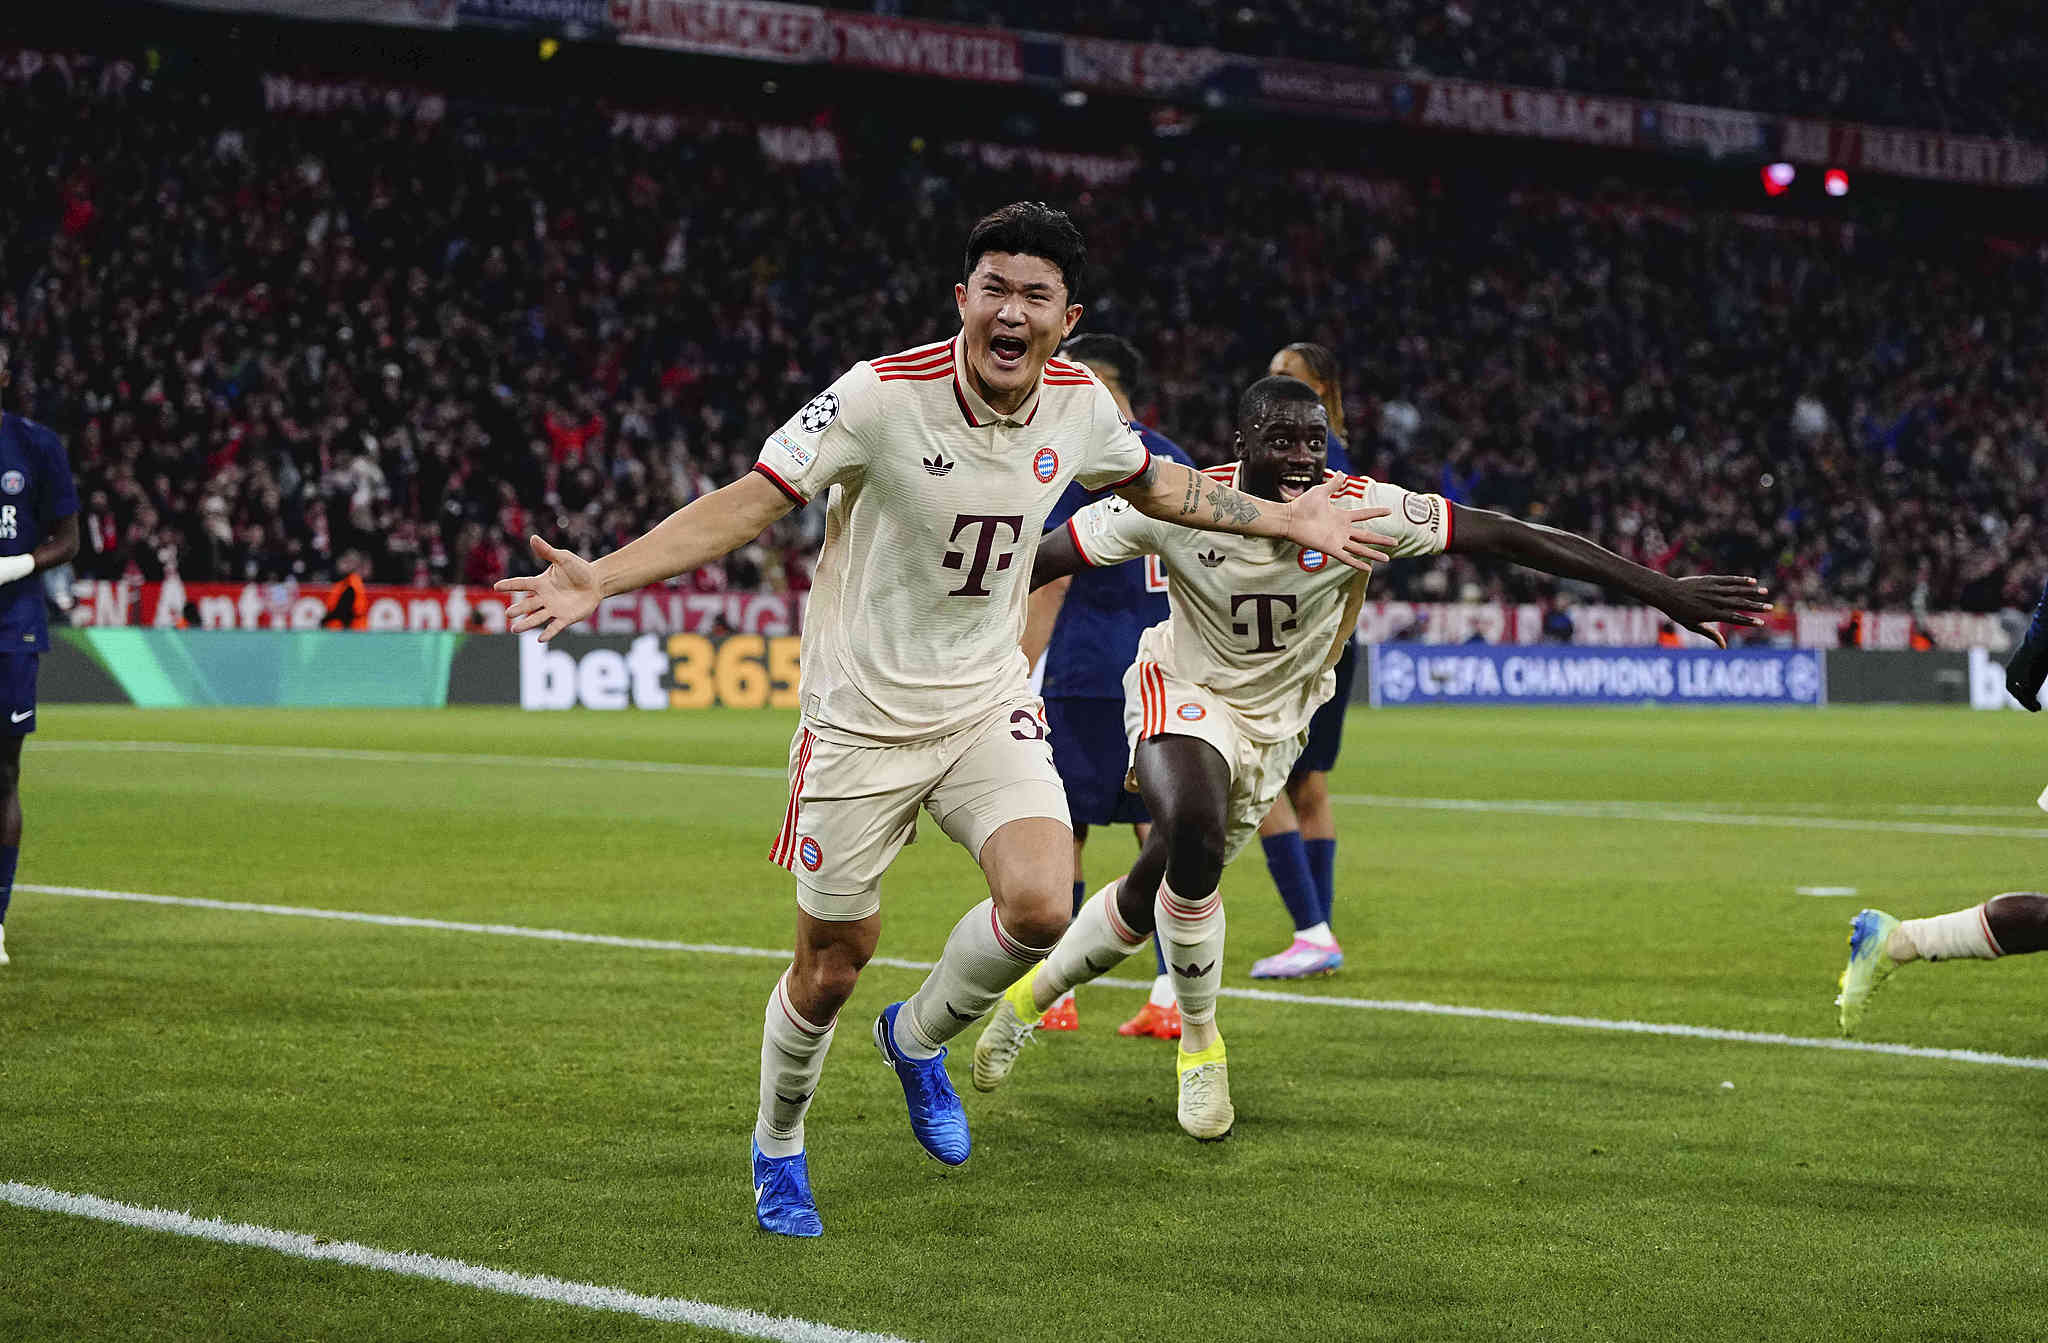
[1318, 522]
[556, 599]
[1701, 602]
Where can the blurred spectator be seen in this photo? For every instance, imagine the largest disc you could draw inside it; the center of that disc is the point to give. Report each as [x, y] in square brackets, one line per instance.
[423, 341]
[1974, 67]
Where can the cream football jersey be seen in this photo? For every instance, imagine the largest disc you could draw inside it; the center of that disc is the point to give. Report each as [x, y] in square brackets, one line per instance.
[1257, 621]
[937, 503]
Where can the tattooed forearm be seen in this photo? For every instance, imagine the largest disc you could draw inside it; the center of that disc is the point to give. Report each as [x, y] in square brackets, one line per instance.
[1230, 506]
[1189, 500]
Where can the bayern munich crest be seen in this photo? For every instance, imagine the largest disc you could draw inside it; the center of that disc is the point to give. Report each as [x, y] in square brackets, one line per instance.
[1045, 465]
[809, 854]
[14, 482]
[1191, 713]
[1312, 561]
[818, 412]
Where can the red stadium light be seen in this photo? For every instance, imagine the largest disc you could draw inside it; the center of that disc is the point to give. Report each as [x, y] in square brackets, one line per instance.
[1777, 177]
[1836, 182]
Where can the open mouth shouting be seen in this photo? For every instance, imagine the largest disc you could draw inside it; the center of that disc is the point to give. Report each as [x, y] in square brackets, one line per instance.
[1008, 352]
[1296, 481]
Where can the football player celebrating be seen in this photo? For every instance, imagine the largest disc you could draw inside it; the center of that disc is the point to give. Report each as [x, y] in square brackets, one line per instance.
[1087, 628]
[1217, 706]
[942, 463]
[1300, 834]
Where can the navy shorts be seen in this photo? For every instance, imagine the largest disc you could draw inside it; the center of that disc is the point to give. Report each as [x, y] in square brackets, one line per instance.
[1089, 751]
[18, 692]
[1326, 729]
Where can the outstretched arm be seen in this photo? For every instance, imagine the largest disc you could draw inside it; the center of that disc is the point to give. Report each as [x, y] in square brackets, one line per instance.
[689, 538]
[1058, 558]
[1696, 604]
[1182, 495]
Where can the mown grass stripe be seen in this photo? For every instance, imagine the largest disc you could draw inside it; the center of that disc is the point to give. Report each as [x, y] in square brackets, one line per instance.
[1671, 1029]
[1788, 816]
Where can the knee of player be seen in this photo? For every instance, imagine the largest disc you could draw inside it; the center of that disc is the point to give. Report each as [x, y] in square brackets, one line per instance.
[1194, 859]
[1040, 920]
[831, 978]
[10, 780]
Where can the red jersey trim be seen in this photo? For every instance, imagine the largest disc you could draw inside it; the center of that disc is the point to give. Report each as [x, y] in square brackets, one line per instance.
[782, 484]
[1119, 484]
[1080, 549]
[918, 355]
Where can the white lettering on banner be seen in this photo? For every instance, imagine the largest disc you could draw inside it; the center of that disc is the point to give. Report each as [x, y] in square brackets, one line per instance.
[1987, 683]
[321, 97]
[926, 49]
[1715, 129]
[799, 145]
[1534, 112]
[280, 606]
[1137, 67]
[1325, 86]
[751, 28]
[1093, 169]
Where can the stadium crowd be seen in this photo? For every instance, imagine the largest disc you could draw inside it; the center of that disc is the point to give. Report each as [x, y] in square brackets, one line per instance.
[1970, 68]
[270, 341]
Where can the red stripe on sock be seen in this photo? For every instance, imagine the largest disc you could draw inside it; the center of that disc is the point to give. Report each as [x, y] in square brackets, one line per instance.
[1015, 950]
[796, 1019]
[1117, 926]
[1984, 918]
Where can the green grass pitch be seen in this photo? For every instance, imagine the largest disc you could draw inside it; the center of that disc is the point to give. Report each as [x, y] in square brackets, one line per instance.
[582, 1110]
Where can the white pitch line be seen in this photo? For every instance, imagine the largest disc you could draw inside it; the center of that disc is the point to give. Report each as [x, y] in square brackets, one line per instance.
[1684, 814]
[1249, 995]
[297, 1244]
[1823, 890]
[1789, 816]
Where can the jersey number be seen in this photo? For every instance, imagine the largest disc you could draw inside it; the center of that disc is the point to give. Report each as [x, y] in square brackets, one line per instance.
[1025, 725]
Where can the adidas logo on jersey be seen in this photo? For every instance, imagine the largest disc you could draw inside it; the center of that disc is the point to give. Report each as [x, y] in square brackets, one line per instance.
[938, 465]
[1210, 558]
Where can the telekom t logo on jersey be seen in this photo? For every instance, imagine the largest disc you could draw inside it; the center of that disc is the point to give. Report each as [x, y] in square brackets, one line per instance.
[1266, 605]
[984, 526]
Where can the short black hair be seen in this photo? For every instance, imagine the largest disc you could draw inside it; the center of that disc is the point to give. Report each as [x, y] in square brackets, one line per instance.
[1031, 228]
[1101, 350]
[1267, 393]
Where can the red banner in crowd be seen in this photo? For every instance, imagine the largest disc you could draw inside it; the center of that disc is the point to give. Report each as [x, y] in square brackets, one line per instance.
[1971, 159]
[1496, 109]
[985, 55]
[288, 606]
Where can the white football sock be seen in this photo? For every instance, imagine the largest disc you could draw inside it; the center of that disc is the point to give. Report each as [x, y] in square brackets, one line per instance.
[1965, 934]
[792, 1059]
[1192, 931]
[1162, 991]
[1096, 942]
[1320, 935]
[981, 959]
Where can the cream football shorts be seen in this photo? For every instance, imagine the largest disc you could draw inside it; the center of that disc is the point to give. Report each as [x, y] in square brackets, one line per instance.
[1157, 704]
[852, 807]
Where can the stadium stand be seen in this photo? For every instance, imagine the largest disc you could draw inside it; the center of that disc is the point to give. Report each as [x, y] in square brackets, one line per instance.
[1969, 68]
[269, 341]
